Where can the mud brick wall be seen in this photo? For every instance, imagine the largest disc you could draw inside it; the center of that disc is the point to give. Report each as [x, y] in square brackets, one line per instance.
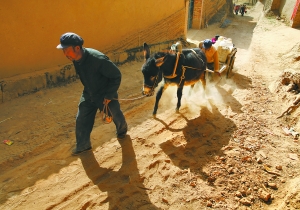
[108, 26]
[204, 11]
[169, 29]
[158, 27]
[197, 14]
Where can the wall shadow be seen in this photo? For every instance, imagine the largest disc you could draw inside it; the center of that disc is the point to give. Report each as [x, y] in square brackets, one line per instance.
[244, 26]
[240, 80]
[240, 29]
[125, 189]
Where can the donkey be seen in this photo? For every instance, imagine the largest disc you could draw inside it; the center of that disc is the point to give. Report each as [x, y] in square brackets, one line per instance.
[182, 68]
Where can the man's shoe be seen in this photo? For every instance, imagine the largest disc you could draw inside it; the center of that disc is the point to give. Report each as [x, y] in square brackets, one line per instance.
[75, 152]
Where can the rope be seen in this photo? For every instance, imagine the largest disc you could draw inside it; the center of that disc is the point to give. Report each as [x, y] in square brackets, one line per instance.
[106, 118]
[175, 67]
[106, 114]
[190, 67]
[182, 76]
[129, 99]
[154, 84]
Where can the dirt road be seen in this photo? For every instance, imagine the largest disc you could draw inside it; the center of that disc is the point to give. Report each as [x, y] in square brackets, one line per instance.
[225, 150]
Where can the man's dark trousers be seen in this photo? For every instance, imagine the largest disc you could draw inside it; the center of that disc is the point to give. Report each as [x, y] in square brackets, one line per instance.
[86, 117]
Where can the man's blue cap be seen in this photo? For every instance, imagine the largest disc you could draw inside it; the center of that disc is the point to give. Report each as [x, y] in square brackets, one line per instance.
[70, 39]
[207, 43]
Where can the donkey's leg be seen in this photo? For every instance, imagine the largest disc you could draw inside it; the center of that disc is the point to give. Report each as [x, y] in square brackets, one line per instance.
[158, 96]
[191, 89]
[179, 95]
[202, 79]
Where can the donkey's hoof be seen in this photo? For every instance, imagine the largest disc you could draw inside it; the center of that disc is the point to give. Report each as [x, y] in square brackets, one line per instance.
[154, 115]
[177, 110]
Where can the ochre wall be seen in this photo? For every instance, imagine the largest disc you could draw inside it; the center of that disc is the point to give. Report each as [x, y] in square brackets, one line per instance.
[30, 29]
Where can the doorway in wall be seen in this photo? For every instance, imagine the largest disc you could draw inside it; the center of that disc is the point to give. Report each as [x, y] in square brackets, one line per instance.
[190, 15]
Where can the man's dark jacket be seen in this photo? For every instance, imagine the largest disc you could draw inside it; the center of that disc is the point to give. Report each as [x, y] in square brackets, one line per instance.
[100, 77]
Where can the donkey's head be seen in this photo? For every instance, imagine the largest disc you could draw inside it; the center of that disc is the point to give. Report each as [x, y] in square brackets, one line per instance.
[151, 70]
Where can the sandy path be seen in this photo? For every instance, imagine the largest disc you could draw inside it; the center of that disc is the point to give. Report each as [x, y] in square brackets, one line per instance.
[200, 157]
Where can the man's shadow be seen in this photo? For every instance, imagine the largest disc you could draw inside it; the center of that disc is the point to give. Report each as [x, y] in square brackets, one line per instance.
[125, 189]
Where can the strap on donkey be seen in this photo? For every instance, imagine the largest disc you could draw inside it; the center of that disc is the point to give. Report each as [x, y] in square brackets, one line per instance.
[175, 49]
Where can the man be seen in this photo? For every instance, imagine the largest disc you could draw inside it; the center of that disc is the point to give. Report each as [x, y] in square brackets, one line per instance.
[101, 79]
[237, 9]
[243, 9]
[215, 39]
[211, 54]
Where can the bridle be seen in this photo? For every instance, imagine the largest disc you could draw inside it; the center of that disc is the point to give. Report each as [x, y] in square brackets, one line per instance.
[151, 92]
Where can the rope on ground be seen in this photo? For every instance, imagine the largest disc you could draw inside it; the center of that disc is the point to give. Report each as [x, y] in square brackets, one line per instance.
[292, 108]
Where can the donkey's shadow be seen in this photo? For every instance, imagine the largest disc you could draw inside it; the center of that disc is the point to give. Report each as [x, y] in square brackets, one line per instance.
[201, 140]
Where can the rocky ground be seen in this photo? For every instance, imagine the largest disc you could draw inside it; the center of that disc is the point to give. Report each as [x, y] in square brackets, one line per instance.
[230, 147]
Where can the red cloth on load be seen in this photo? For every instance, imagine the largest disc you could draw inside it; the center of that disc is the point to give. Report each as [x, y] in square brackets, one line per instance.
[295, 9]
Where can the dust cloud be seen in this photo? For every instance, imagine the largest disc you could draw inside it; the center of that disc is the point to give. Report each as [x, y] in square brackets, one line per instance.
[194, 98]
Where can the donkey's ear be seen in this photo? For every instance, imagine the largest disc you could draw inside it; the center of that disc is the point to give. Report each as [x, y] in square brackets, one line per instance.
[146, 51]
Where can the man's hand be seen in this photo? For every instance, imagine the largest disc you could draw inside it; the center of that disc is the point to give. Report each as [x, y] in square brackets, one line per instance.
[106, 101]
